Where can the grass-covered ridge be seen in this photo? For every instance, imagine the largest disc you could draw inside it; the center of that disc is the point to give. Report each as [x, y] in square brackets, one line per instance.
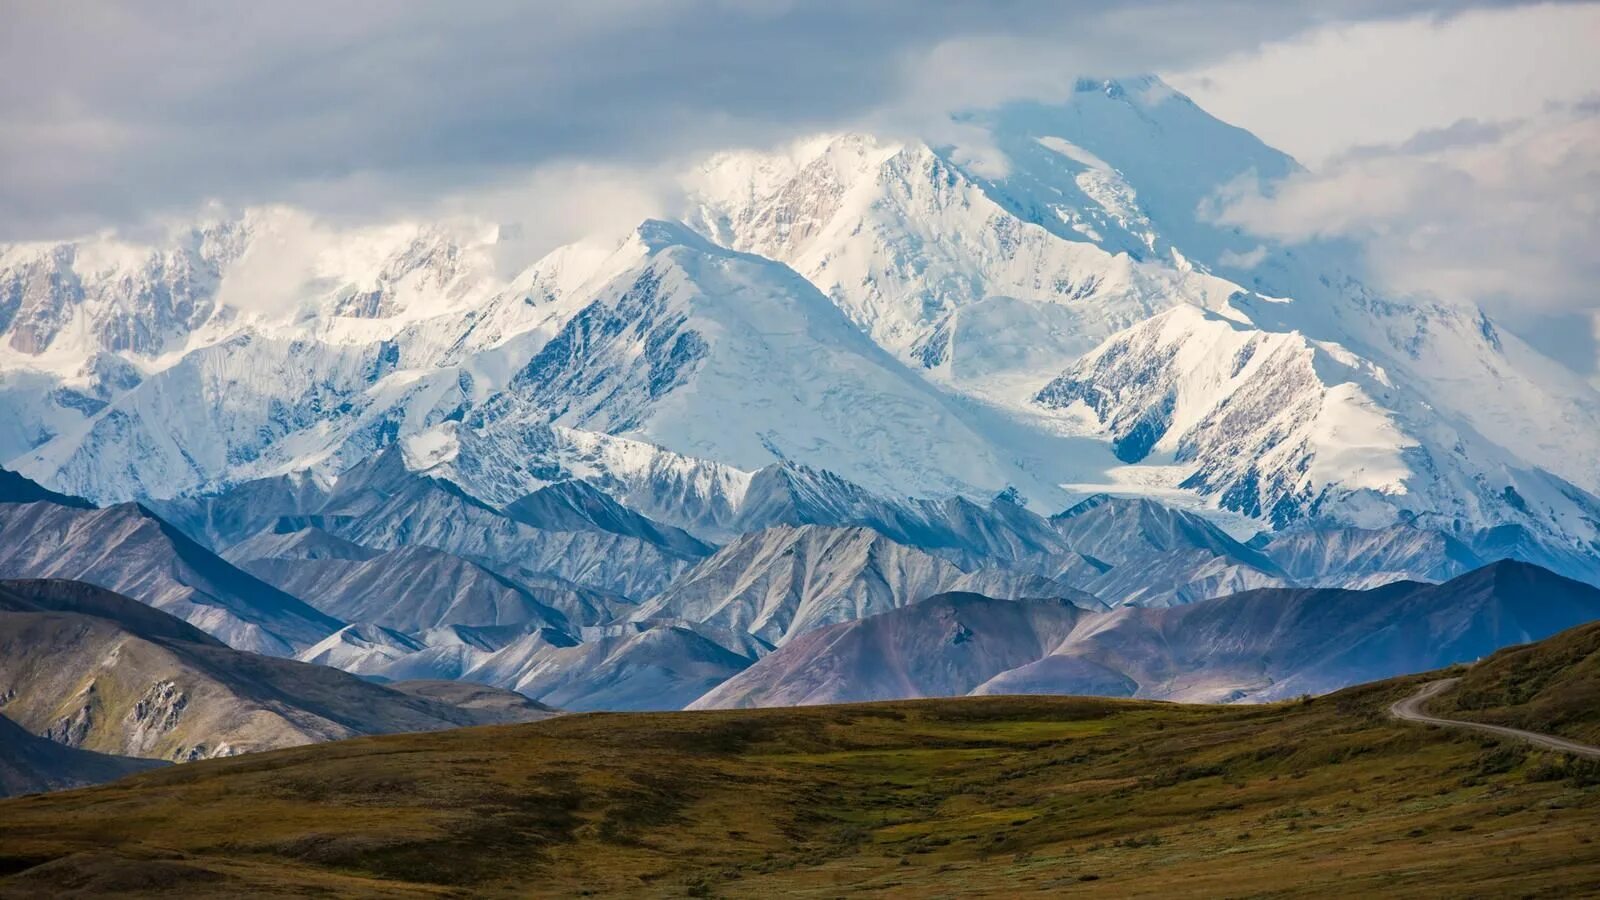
[928, 798]
[1552, 686]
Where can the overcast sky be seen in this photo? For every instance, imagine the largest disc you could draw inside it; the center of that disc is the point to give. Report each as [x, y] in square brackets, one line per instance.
[1457, 139]
[110, 111]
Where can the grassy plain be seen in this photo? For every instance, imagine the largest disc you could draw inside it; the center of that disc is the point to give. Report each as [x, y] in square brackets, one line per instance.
[1000, 796]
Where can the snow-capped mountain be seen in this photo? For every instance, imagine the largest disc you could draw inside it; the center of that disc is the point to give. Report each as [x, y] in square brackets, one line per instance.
[966, 276]
[866, 418]
[988, 283]
[733, 357]
[84, 322]
[883, 310]
[1298, 394]
[1284, 428]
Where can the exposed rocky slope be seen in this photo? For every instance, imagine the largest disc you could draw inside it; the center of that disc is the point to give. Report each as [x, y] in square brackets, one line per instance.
[1265, 644]
[126, 548]
[1160, 556]
[782, 582]
[411, 588]
[631, 666]
[93, 670]
[944, 646]
[1360, 557]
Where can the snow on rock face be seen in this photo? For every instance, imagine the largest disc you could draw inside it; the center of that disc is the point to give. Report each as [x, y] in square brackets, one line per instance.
[1294, 431]
[1251, 409]
[986, 282]
[270, 266]
[727, 356]
[507, 460]
[82, 324]
[112, 297]
[250, 406]
[1101, 221]
[688, 348]
[919, 257]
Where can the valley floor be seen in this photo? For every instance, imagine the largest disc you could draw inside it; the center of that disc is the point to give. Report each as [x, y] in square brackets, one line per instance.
[1001, 796]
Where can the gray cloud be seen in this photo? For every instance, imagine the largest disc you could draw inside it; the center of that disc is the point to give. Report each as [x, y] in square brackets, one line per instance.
[1459, 134]
[111, 112]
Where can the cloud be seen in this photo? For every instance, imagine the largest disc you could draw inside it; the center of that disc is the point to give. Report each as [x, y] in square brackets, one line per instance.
[1247, 260]
[1377, 82]
[1505, 214]
[111, 112]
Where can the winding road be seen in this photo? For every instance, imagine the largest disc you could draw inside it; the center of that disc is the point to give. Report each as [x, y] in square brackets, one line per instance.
[1411, 710]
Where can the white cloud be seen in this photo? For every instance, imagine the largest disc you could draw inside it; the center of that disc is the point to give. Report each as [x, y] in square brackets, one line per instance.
[1336, 87]
[563, 202]
[1505, 215]
[1247, 260]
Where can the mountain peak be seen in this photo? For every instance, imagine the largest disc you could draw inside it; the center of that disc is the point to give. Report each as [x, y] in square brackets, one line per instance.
[1119, 88]
[1514, 574]
[659, 234]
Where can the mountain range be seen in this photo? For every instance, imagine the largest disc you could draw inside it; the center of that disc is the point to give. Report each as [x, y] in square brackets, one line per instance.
[964, 796]
[878, 309]
[862, 420]
[822, 612]
[1259, 645]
